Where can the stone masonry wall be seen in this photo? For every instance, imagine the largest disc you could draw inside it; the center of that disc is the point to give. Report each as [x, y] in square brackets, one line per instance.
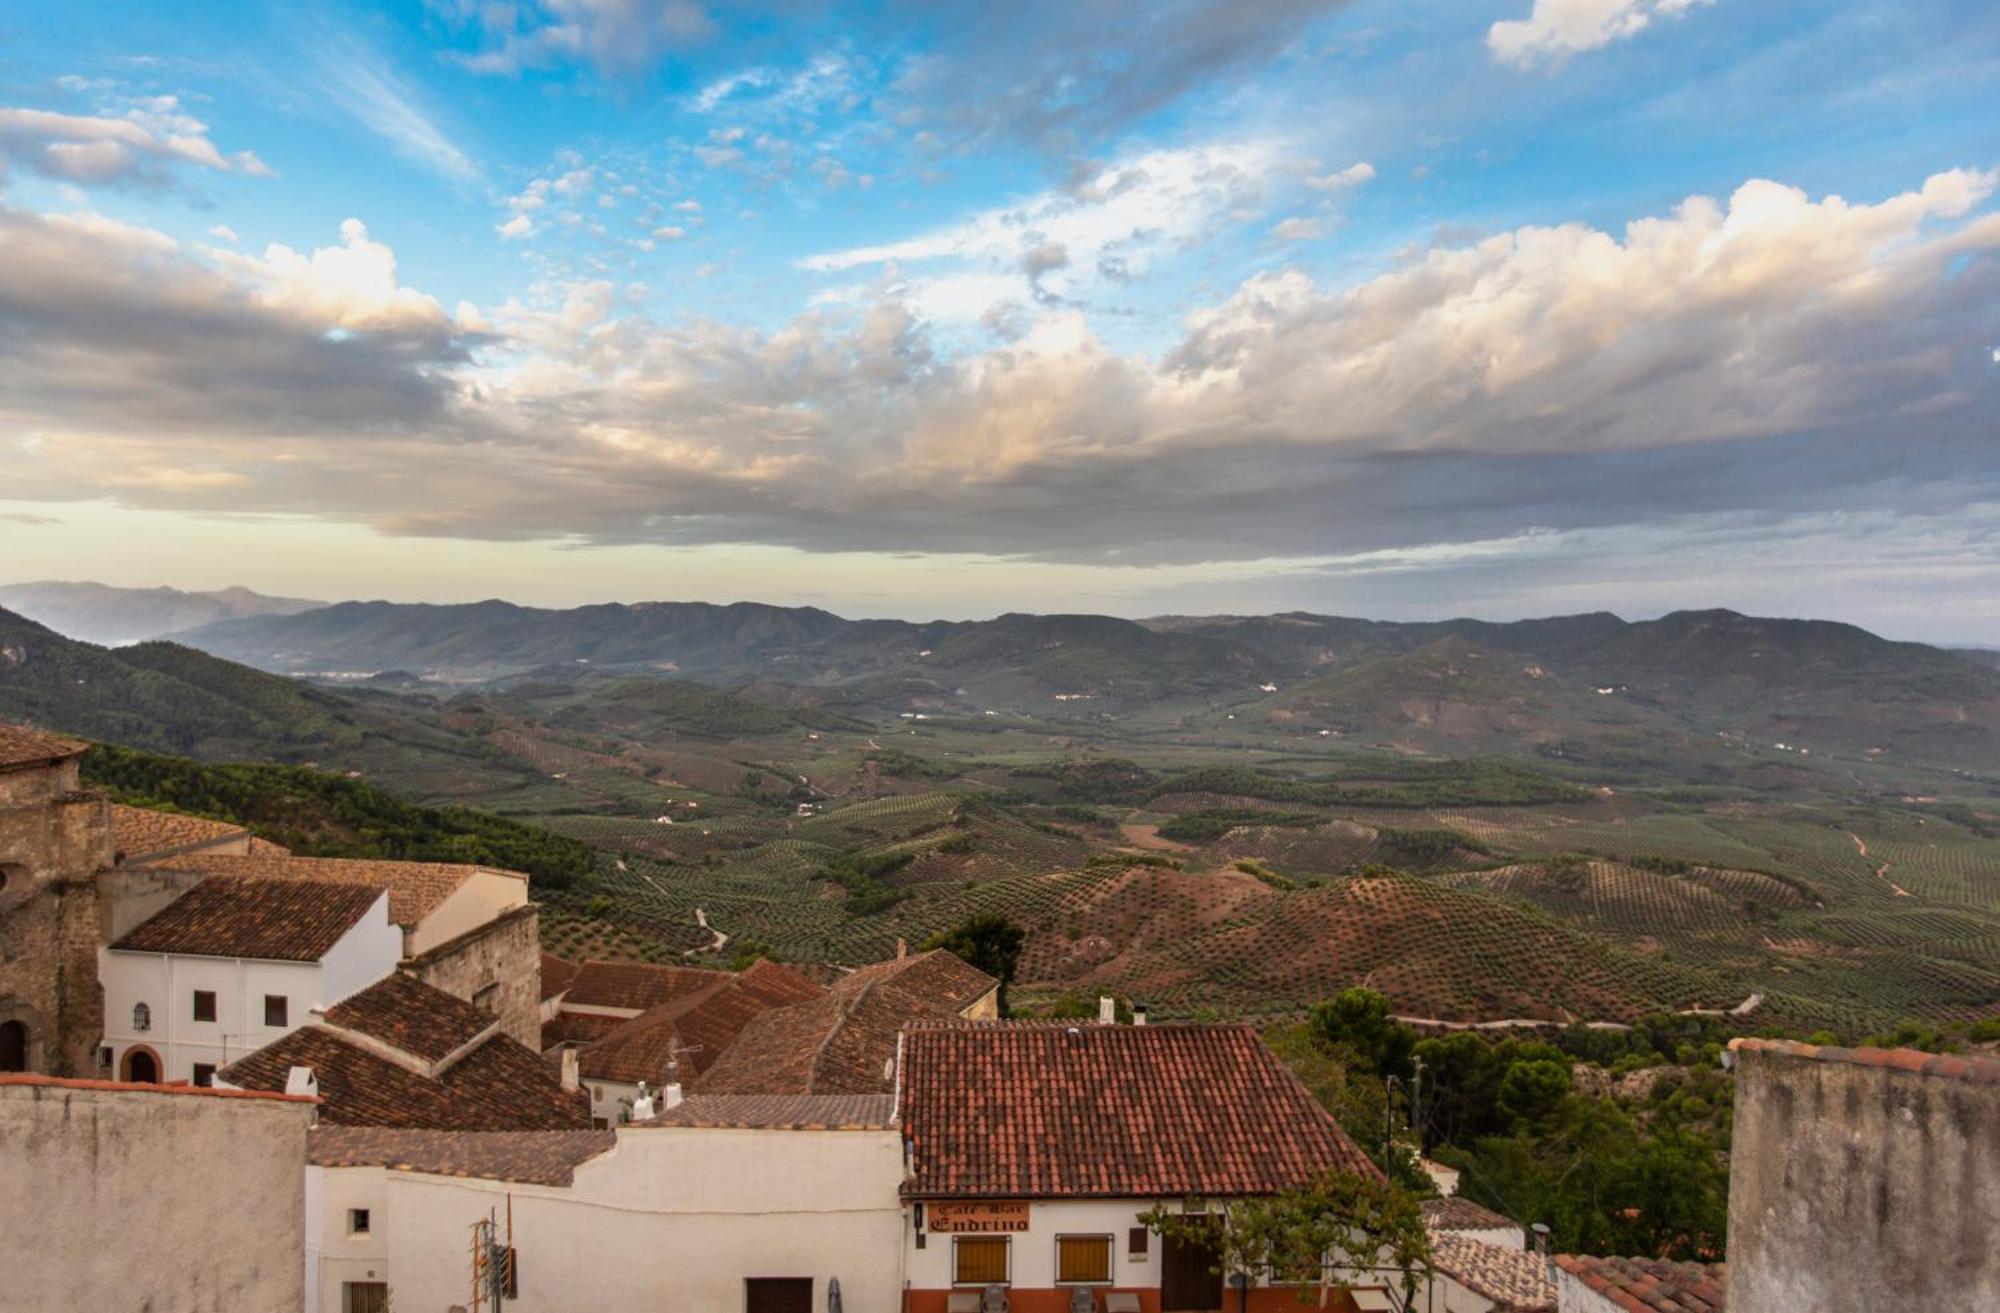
[53, 839]
[506, 952]
[1863, 1180]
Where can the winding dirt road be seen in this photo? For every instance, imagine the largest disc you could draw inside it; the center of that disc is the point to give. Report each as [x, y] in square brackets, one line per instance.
[1881, 868]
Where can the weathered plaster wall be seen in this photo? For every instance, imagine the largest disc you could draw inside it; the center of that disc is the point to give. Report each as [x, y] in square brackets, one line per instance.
[1862, 1181]
[53, 838]
[506, 953]
[149, 1199]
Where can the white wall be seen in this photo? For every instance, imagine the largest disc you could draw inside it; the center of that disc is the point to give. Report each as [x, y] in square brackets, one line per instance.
[334, 1254]
[673, 1218]
[166, 983]
[1034, 1250]
[483, 896]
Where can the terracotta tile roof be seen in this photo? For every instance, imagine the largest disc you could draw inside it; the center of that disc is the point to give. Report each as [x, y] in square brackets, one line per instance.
[140, 1087]
[1985, 1071]
[1652, 1285]
[407, 1014]
[415, 888]
[296, 921]
[845, 1042]
[947, 982]
[578, 1028]
[557, 973]
[787, 1112]
[699, 1027]
[636, 985]
[1457, 1213]
[499, 1086]
[1031, 1110]
[526, 1157]
[1516, 1280]
[21, 746]
[138, 832]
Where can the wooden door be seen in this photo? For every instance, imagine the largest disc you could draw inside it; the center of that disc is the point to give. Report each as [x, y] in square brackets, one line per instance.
[1187, 1277]
[778, 1295]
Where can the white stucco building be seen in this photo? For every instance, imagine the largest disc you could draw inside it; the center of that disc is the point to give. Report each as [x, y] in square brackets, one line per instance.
[234, 964]
[724, 1205]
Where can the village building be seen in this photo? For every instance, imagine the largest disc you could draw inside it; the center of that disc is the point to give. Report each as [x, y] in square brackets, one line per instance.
[1034, 1148]
[471, 931]
[602, 996]
[737, 1205]
[1472, 1276]
[142, 836]
[845, 1040]
[557, 976]
[1453, 1215]
[126, 1196]
[674, 1042]
[402, 1054]
[54, 837]
[234, 964]
[1589, 1284]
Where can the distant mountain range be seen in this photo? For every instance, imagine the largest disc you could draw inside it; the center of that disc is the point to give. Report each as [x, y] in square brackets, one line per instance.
[1592, 689]
[99, 613]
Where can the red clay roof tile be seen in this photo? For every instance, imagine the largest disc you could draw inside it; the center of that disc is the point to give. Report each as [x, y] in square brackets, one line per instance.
[1052, 1111]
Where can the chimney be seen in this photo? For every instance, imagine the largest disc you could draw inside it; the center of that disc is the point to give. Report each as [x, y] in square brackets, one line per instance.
[1138, 1014]
[902, 948]
[300, 1080]
[671, 1096]
[642, 1104]
[1107, 1010]
[569, 1071]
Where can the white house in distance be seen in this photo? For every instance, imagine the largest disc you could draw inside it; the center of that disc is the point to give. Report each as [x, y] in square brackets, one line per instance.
[234, 964]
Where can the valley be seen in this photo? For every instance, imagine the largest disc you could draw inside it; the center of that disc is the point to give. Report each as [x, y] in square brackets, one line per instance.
[1568, 820]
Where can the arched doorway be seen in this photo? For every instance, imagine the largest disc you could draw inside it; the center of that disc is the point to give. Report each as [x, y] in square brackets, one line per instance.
[141, 1065]
[13, 1046]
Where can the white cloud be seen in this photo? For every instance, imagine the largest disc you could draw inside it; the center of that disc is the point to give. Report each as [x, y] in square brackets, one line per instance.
[1298, 229]
[138, 142]
[1343, 179]
[670, 233]
[1125, 215]
[617, 36]
[222, 232]
[518, 226]
[352, 286]
[1556, 29]
[361, 82]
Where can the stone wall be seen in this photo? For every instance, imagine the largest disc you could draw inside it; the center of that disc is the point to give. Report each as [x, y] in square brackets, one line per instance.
[134, 1197]
[505, 953]
[53, 839]
[1863, 1180]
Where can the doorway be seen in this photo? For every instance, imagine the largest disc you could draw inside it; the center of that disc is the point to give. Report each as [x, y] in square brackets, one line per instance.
[13, 1046]
[1188, 1279]
[778, 1295]
[141, 1067]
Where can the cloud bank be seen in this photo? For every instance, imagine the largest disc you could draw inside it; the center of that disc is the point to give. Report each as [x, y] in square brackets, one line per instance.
[1767, 355]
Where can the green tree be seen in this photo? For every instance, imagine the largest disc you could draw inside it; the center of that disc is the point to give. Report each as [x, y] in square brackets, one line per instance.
[988, 941]
[1359, 1018]
[1322, 1236]
[1533, 1089]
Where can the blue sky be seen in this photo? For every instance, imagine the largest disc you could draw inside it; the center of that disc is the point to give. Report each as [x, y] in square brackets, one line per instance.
[1496, 308]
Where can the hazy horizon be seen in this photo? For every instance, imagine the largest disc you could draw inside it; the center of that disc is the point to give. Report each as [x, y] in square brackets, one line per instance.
[1498, 308]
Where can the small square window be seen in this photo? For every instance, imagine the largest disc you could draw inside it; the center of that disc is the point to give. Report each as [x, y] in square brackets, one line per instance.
[1138, 1241]
[204, 1005]
[204, 1074]
[357, 1221]
[276, 1009]
[979, 1260]
[1083, 1260]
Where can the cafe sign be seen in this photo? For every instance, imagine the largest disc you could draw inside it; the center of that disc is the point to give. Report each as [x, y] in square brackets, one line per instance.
[978, 1216]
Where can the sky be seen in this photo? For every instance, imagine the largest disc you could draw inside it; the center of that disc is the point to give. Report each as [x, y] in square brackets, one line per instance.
[1473, 307]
